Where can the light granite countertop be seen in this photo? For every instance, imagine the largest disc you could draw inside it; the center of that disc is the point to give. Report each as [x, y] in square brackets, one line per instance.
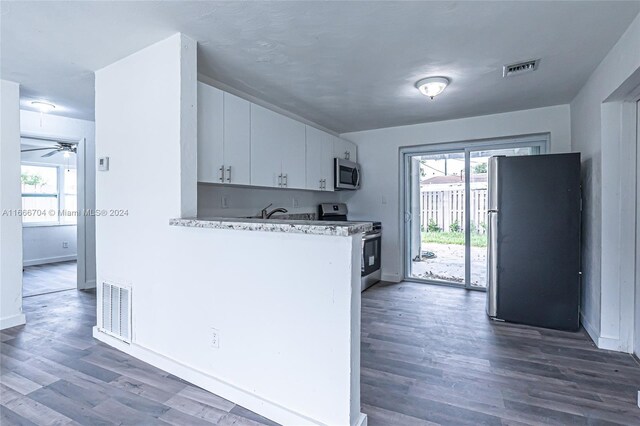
[311, 227]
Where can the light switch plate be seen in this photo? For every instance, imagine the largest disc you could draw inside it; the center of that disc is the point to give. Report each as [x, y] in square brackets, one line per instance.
[103, 164]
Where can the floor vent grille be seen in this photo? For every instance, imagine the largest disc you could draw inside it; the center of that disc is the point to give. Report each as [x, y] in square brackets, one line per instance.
[116, 311]
[520, 68]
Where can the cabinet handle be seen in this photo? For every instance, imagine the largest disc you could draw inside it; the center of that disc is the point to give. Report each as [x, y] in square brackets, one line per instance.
[324, 184]
[229, 174]
[320, 183]
[286, 180]
[221, 173]
[347, 154]
[280, 181]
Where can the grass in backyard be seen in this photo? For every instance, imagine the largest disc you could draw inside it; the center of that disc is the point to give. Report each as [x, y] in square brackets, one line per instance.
[456, 238]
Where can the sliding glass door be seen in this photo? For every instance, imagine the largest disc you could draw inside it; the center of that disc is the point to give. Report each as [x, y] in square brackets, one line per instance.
[445, 208]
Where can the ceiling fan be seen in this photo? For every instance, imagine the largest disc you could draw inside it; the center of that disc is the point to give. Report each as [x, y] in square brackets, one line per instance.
[62, 147]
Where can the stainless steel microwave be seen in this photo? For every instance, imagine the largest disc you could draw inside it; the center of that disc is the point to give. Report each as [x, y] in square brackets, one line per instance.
[347, 174]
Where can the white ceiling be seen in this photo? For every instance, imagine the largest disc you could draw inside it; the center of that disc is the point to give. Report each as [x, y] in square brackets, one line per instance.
[344, 65]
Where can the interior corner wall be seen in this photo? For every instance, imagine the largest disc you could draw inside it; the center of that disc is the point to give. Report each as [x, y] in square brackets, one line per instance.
[10, 199]
[48, 125]
[378, 153]
[598, 132]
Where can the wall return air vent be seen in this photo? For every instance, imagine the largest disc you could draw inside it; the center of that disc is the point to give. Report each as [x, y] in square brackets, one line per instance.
[520, 68]
[116, 311]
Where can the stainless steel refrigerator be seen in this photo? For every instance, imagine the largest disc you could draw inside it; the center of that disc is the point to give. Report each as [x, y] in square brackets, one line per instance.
[533, 229]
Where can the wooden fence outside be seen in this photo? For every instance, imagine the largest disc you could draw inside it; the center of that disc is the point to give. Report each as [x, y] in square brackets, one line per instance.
[445, 208]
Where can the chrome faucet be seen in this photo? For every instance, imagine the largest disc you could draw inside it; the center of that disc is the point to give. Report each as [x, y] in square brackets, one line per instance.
[264, 214]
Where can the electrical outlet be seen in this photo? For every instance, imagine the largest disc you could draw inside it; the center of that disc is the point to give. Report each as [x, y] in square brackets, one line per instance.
[215, 338]
[295, 203]
[65, 244]
[224, 202]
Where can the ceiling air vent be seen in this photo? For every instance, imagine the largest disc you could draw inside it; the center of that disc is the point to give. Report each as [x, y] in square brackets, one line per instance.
[520, 68]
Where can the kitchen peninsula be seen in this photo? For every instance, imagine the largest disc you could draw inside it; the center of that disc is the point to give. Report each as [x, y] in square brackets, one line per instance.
[309, 227]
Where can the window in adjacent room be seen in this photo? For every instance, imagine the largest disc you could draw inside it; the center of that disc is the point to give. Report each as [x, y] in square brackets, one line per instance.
[40, 200]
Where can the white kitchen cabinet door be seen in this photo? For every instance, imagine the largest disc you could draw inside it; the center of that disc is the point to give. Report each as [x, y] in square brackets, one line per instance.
[319, 159]
[292, 135]
[210, 133]
[237, 140]
[266, 146]
[344, 149]
[326, 161]
[316, 142]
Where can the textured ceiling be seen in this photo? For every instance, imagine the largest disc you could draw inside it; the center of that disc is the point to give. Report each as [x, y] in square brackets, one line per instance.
[345, 65]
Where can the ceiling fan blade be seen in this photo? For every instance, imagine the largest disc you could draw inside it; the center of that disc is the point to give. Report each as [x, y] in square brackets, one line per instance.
[36, 149]
[49, 154]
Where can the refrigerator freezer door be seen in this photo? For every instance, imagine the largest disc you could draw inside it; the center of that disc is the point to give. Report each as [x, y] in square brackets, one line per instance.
[492, 264]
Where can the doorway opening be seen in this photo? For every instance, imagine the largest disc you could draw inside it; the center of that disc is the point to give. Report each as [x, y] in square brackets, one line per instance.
[445, 208]
[49, 184]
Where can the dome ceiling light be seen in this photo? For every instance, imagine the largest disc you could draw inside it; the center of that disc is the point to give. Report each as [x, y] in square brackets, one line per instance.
[432, 86]
[43, 106]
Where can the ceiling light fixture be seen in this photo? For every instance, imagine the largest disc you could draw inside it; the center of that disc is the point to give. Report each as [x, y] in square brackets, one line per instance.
[432, 86]
[43, 106]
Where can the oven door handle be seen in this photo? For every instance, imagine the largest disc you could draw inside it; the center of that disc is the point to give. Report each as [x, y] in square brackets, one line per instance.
[367, 237]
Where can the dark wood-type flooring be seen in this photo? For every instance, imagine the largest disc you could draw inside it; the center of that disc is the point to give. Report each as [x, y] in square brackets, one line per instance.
[52, 371]
[41, 279]
[429, 356]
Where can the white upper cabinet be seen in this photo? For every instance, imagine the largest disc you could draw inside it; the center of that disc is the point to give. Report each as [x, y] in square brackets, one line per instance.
[319, 160]
[224, 138]
[266, 163]
[245, 144]
[294, 154]
[344, 149]
[210, 134]
[277, 150]
[237, 140]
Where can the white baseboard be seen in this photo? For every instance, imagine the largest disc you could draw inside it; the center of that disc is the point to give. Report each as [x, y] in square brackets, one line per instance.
[46, 260]
[590, 330]
[394, 278]
[363, 421]
[602, 342]
[12, 321]
[245, 398]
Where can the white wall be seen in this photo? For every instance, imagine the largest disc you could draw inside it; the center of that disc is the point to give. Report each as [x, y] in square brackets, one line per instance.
[246, 201]
[10, 199]
[599, 127]
[289, 339]
[36, 124]
[378, 153]
[44, 244]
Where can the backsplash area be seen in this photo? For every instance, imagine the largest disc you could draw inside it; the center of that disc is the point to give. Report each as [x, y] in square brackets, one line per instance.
[249, 201]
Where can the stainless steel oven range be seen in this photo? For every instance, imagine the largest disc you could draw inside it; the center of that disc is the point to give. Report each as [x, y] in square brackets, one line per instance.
[371, 243]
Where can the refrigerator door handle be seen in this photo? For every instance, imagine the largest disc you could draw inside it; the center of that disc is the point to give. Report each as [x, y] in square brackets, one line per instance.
[492, 264]
[492, 183]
